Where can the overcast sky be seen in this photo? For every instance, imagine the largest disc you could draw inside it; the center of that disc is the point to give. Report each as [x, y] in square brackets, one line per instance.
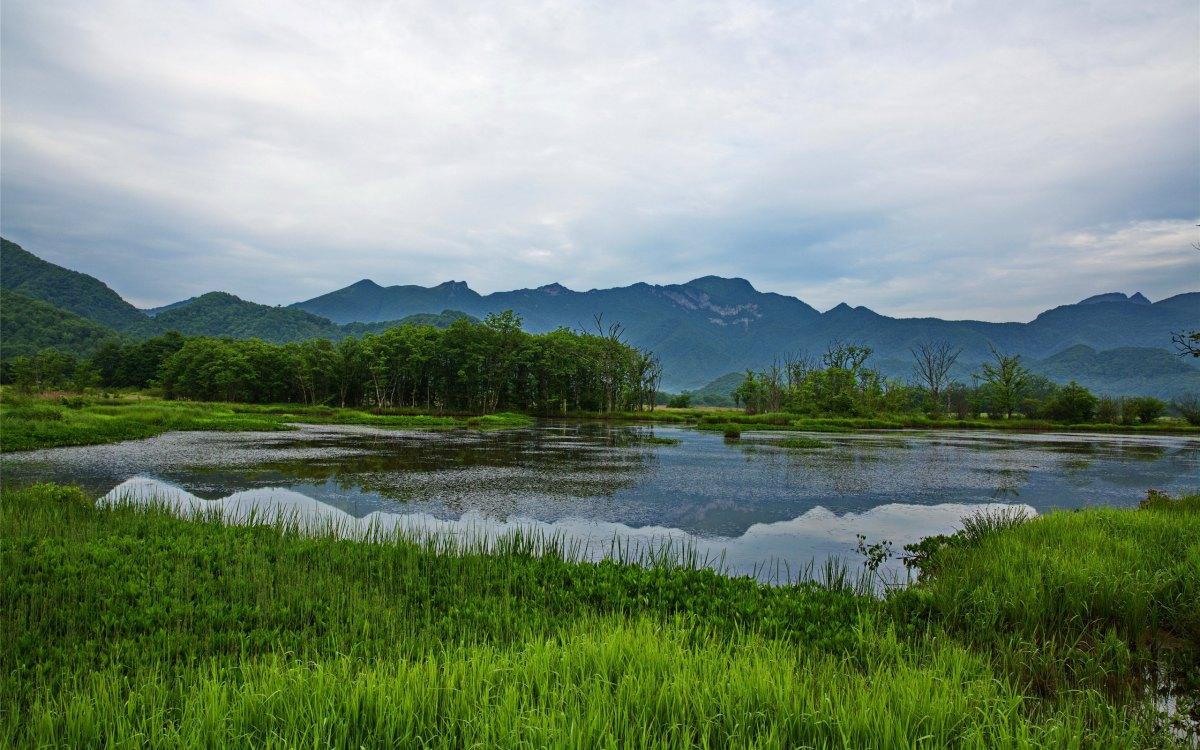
[983, 160]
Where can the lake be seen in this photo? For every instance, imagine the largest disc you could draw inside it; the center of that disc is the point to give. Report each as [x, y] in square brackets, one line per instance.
[752, 506]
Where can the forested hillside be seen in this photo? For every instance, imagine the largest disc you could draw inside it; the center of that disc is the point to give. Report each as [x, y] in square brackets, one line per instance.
[222, 314]
[1125, 371]
[28, 326]
[84, 295]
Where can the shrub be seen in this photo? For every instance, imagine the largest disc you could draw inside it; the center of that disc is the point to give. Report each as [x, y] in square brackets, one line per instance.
[1188, 407]
[1108, 410]
[1072, 403]
[682, 401]
[1145, 409]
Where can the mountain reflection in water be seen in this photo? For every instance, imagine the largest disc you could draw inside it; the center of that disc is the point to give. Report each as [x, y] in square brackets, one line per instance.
[756, 499]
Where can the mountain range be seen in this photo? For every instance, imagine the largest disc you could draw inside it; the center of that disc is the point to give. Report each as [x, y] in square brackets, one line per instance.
[701, 330]
[711, 325]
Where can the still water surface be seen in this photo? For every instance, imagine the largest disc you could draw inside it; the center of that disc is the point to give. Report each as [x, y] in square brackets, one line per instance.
[758, 507]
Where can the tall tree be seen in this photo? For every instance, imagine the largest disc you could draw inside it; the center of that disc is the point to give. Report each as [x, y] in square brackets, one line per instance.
[1006, 381]
[932, 363]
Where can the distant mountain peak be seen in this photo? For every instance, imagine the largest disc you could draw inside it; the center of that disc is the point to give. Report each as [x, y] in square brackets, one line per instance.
[554, 288]
[1136, 298]
[454, 286]
[364, 284]
[720, 286]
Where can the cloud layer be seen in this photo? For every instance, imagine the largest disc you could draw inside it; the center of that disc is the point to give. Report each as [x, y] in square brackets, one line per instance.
[955, 159]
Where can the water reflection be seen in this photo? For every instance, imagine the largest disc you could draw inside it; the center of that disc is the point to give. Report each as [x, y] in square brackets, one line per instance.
[777, 551]
[702, 487]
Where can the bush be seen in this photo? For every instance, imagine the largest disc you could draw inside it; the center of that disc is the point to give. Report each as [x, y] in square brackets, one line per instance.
[1108, 410]
[1188, 408]
[1144, 409]
[1072, 404]
[682, 401]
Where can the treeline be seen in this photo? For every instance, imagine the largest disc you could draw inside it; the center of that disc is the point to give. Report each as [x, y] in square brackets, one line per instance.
[468, 366]
[841, 382]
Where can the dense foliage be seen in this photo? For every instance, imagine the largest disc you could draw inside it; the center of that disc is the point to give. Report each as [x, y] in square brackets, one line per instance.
[842, 384]
[839, 383]
[467, 366]
[27, 326]
[84, 295]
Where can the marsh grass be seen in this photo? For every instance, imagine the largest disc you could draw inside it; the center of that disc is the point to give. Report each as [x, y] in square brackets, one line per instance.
[658, 440]
[28, 423]
[129, 626]
[1101, 598]
[716, 418]
[801, 443]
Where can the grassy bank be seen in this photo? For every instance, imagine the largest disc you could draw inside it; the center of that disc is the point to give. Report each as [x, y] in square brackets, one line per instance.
[722, 419]
[129, 626]
[27, 423]
[31, 422]
[1101, 598]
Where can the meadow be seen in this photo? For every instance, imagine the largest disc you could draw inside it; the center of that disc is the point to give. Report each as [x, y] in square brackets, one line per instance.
[50, 421]
[129, 626]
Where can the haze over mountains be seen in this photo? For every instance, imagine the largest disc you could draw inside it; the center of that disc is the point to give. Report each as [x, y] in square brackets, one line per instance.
[701, 330]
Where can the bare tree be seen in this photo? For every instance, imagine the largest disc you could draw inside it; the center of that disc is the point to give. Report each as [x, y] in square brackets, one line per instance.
[796, 367]
[933, 361]
[845, 356]
[1187, 343]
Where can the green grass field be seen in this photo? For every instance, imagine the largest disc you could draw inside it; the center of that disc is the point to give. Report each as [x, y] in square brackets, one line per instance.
[131, 627]
[28, 423]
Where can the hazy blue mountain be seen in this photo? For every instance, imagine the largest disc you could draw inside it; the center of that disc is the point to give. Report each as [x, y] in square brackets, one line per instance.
[1136, 298]
[719, 392]
[223, 314]
[367, 302]
[1125, 371]
[24, 272]
[438, 320]
[712, 326]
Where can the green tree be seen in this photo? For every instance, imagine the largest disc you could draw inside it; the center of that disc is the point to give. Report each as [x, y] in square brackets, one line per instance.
[680, 401]
[1073, 404]
[1144, 409]
[1005, 381]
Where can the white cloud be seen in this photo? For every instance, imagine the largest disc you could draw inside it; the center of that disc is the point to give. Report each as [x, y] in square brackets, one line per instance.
[929, 158]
